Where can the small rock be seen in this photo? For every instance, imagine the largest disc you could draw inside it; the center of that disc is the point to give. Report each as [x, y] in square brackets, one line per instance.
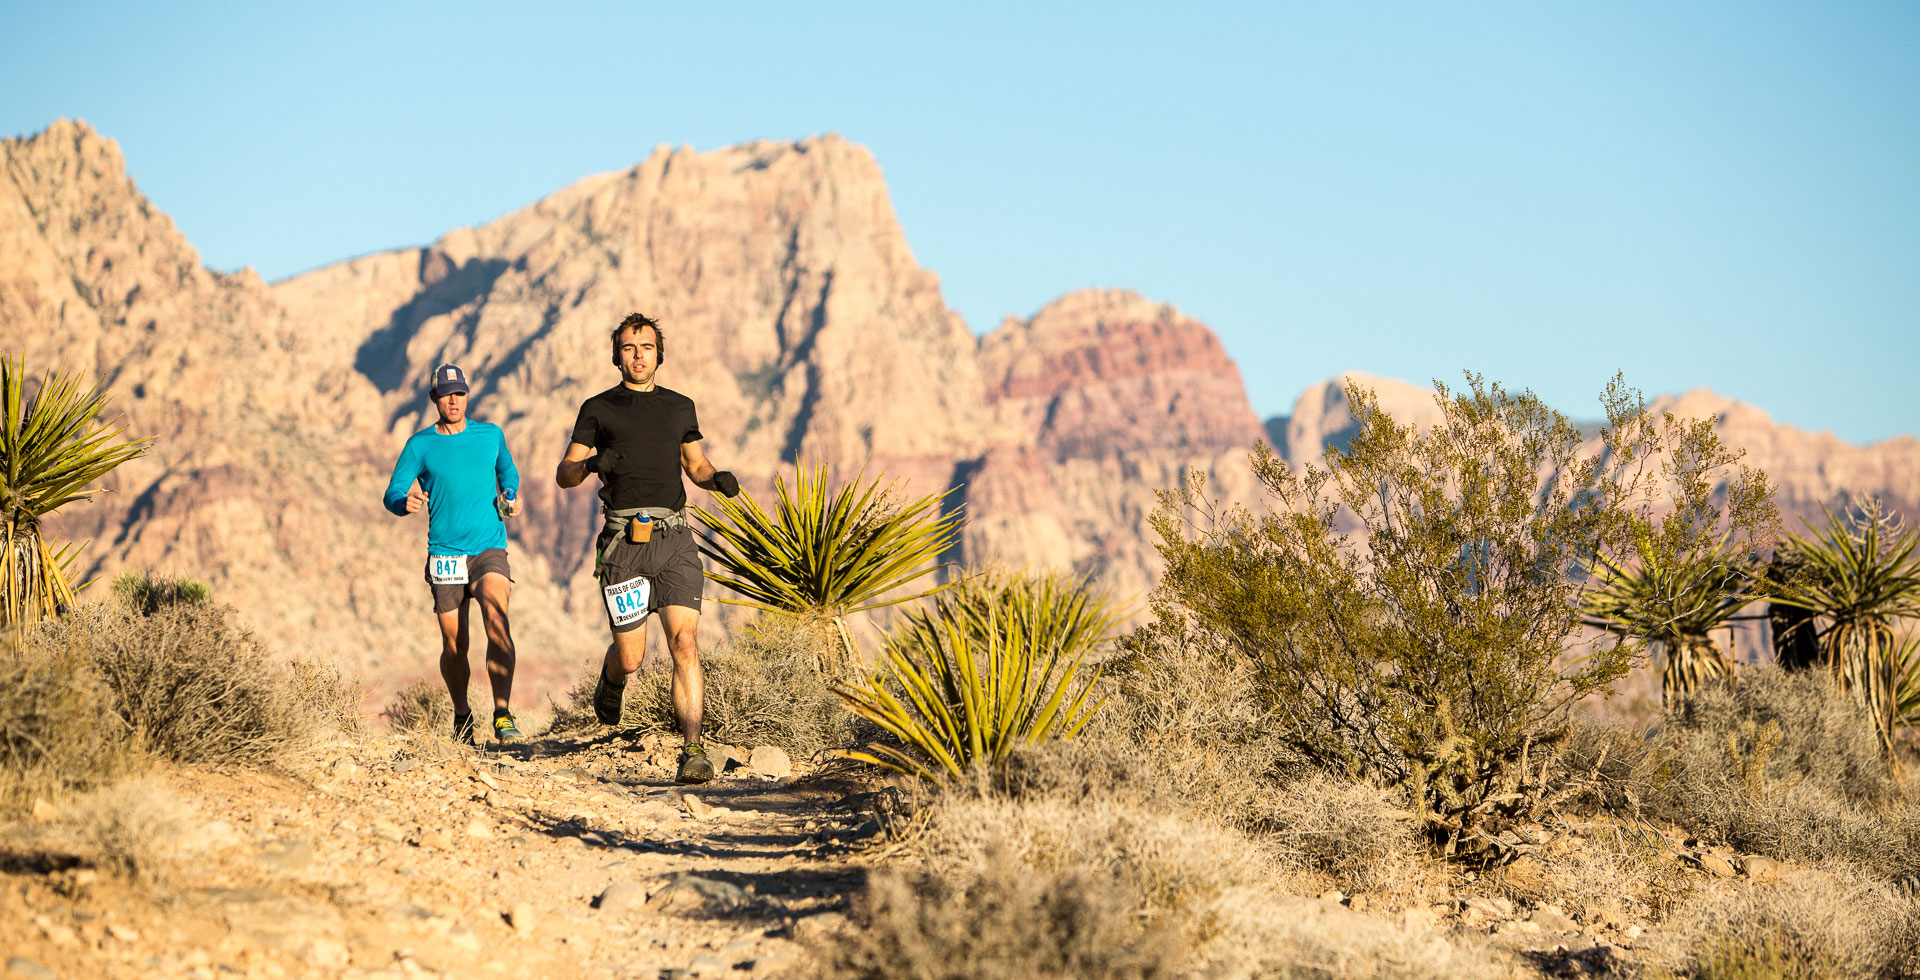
[404, 765]
[122, 933]
[1550, 918]
[490, 782]
[770, 760]
[522, 919]
[438, 840]
[287, 855]
[1358, 903]
[1492, 908]
[689, 892]
[329, 954]
[1419, 919]
[814, 929]
[698, 809]
[56, 933]
[20, 966]
[479, 830]
[387, 829]
[1632, 932]
[345, 769]
[1715, 865]
[1514, 927]
[44, 812]
[1759, 868]
[620, 896]
[1334, 895]
[707, 965]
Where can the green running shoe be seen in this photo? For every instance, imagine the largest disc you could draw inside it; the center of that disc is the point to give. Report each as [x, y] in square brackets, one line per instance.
[608, 700]
[694, 765]
[504, 729]
[463, 728]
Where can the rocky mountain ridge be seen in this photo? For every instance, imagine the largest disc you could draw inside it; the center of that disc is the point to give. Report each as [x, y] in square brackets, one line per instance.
[795, 314]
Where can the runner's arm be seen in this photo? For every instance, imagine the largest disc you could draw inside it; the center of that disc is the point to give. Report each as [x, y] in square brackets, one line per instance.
[693, 459]
[406, 469]
[505, 473]
[573, 466]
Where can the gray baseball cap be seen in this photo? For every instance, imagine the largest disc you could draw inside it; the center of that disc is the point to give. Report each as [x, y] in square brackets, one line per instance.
[448, 379]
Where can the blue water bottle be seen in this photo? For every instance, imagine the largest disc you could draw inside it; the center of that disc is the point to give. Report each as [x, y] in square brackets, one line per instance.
[506, 502]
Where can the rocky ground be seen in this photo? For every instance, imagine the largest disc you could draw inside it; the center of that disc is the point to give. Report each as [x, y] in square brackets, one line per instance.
[575, 855]
[569, 857]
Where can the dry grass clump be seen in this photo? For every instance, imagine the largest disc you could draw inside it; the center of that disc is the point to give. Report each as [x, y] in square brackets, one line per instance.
[1783, 766]
[59, 730]
[1622, 874]
[131, 828]
[421, 707]
[1351, 832]
[1055, 887]
[194, 687]
[1811, 924]
[764, 688]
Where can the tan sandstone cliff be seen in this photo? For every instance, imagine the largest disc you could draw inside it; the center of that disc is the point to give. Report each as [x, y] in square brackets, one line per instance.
[795, 314]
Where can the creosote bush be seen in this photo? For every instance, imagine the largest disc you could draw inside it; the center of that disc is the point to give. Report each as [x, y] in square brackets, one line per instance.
[1407, 606]
[1822, 923]
[147, 593]
[421, 707]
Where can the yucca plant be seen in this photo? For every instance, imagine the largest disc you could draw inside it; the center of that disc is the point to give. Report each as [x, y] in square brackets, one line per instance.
[52, 445]
[1675, 601]
[1906, 684]
[1858, 575]
[827, 553]
[968, 681]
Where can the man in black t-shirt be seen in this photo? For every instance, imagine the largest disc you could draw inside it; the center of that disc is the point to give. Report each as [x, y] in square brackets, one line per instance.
[640, 437]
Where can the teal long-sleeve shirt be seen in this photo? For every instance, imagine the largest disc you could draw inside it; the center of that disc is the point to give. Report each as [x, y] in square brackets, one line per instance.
[460, 473]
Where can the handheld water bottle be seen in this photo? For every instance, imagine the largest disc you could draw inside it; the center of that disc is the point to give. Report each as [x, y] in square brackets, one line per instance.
[505, 502]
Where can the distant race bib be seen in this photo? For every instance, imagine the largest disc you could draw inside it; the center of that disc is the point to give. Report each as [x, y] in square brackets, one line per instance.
[447, 569]
[627, 601]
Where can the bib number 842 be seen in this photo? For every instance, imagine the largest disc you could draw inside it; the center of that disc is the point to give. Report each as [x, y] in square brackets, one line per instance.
[627, 601]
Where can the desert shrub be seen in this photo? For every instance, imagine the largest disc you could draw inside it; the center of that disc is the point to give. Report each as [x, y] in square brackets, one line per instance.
[195, 687]
[1407, 606]
[147, 593]
[1007, 925]
[420, 707]
[59, 728]
[1622, 873]
[1783, 765]
[764, 688]
[1056, 887]
[1811, 924]
[1354, 833]
[1608, 767]
[988, 667]
[132, 828]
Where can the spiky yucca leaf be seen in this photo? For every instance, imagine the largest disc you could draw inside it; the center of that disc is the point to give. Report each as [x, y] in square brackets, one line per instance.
[969, 683]
[1906, 688]
[1056, 613]
[1675, 600]
[52, 446]
[1859, 574]
[826, 552]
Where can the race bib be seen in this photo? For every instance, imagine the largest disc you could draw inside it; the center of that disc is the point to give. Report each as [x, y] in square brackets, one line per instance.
[627, 601]
[447, 569]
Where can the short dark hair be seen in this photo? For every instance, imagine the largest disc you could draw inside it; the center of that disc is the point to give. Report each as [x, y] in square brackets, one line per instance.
[635, 321]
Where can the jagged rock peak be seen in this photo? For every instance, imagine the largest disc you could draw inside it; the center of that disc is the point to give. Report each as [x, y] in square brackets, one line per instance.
[1108, 369]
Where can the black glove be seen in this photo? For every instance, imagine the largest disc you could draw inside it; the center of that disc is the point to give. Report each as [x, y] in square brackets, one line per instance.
[603, 463]
[724, 482]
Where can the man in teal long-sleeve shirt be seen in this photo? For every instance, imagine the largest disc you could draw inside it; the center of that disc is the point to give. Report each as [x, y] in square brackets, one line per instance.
[468, 484]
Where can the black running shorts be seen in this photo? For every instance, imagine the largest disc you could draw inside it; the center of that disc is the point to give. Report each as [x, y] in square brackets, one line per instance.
[447, 598]
[670, 562]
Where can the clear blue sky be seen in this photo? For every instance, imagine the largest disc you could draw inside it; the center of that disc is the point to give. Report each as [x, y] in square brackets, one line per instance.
[1705, 194]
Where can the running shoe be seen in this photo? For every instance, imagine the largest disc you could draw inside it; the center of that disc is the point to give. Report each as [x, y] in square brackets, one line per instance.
[607, 701]
[694, 765]
[463, 728]
[504, 729]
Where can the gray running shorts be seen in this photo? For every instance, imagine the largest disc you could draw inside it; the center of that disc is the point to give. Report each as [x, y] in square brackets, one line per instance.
[670, 561]
[447, 598]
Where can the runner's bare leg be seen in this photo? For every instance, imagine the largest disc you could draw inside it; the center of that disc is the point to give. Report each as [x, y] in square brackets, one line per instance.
[689, 681]
[624, 655]
[500, 655]
[453, 657]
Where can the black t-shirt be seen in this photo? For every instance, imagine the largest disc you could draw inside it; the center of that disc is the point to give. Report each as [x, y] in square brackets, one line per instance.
[645, 430]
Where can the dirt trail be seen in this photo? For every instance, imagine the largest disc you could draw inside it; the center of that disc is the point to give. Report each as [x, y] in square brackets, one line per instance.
[572, 855]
